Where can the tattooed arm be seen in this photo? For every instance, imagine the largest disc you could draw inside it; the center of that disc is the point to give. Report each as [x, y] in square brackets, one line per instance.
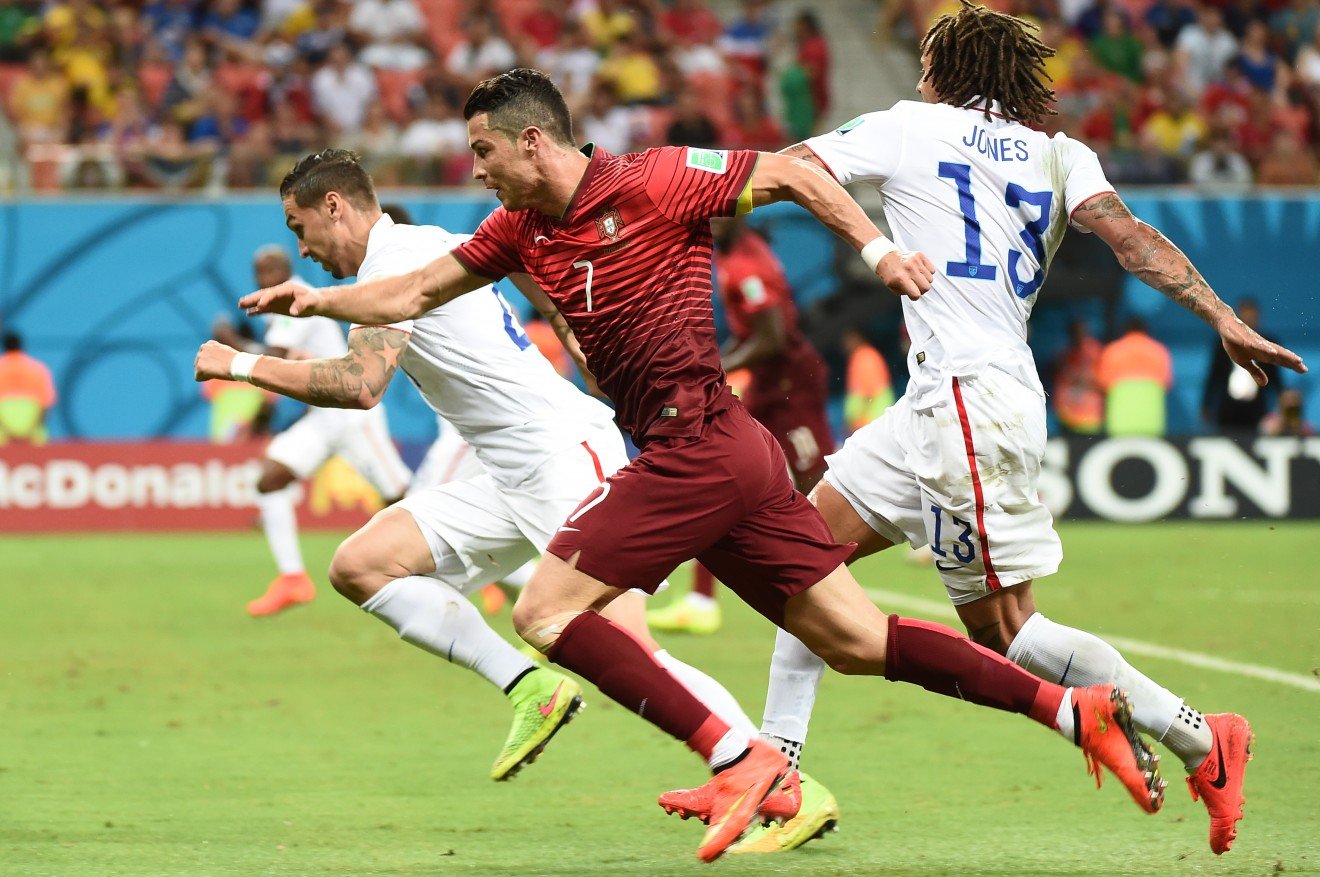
[356, 380]
[1153, 259]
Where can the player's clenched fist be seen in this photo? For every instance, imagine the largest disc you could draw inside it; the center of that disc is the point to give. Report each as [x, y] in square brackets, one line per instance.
[294, 299]
[908, 274]
[213, 361]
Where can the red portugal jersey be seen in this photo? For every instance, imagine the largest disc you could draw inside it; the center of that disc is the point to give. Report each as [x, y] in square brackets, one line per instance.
[628, 265]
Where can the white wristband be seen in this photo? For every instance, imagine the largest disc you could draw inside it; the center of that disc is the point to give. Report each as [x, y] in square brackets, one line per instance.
[240, 369]
[876, 250]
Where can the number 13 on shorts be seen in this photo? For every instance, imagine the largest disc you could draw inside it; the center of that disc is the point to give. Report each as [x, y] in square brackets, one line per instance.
[952, 539]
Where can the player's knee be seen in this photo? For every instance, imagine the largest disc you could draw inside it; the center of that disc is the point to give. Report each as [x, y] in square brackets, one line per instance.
[354, 574]
[540, 623]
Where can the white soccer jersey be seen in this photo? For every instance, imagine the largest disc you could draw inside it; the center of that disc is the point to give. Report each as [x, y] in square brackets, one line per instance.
[474, 365]
[988, 201]
[321, 337]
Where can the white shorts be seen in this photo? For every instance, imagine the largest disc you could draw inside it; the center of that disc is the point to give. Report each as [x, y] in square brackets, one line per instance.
[480, 530]
[360, 437]
[961, 477]
[448, 459]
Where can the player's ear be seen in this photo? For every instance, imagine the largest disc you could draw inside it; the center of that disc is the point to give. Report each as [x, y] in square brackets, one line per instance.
[334, 206]
[530, 139]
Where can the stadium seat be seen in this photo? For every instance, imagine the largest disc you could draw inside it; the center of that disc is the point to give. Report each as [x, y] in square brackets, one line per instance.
[511, 14]
[153, 79]
[443, 23]
[716, 93]
[9, 74]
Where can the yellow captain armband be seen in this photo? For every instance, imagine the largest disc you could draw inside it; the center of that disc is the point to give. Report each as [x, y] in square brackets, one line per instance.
[744, 200]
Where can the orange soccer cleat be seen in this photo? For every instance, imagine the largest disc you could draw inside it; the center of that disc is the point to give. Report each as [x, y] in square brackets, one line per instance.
[288, 589]
[1218, 781]
[1103, 728]
[782, 804]
[736, 793]
[493, 599]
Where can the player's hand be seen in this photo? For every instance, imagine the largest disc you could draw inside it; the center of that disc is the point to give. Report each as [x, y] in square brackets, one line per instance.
[1248, 349]
[212, 362]
[907, 274]
[290, 298]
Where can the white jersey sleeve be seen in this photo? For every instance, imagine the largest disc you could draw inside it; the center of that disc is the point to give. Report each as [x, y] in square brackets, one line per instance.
[1083, 178]
[869, 148]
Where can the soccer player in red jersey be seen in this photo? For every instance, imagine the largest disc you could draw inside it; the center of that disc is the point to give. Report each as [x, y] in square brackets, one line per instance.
[622, 246]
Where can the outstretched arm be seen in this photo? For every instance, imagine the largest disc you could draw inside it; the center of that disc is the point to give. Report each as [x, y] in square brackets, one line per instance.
[780, 177]
[373, 302]
[1153, 259]
[356, 380]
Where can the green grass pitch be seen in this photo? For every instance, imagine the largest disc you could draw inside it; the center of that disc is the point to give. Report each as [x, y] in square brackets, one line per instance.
[148, 727]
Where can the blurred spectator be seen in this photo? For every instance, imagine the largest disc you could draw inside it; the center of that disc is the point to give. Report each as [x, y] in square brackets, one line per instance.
[481, 53]
[798, 107]
[377, 141]
[169, 161]
[572, 63]
[1142, 163]
[605, 123]
[751, 126]
[1079, 401]
[606, 22]
[1288, 418]
[230, 25]
[342, 90]
[27, 394]
[39, 101]
[691, 125]
[1116, 48]
[632, 70]
[1177, 127]
[1288, 163]
[1257, 61]
[1308, 62]
[1204, 49]
[170, 23]
[1219, 166]
[434, 137]
[813, 55]
[1231, 399]
[1297, 22]
[869, 388]
[1135, 372]
[691, 21]
[190, 84]
[392, 34]
[20, 24]
[543, 24]
[746, 41]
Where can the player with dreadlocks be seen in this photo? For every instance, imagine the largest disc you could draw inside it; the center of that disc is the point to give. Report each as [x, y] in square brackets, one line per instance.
[955, 463]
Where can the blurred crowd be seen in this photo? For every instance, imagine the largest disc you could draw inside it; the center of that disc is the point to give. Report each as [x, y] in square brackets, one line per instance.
[227, 93]
[1217, 93]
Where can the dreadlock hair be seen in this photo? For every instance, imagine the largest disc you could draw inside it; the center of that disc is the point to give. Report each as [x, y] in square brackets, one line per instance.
[978, 54]
[522, 99]
[330, 170]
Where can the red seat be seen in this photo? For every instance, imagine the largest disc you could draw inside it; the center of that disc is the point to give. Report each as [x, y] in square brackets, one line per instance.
[393, 86]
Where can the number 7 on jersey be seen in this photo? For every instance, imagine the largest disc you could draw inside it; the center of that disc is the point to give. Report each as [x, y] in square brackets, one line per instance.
[586, 263]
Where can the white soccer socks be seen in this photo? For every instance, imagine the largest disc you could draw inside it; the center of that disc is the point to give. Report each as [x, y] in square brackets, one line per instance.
[279, 521]
[1074, 657]
[795, 673]
[435, 617]
[710, 692]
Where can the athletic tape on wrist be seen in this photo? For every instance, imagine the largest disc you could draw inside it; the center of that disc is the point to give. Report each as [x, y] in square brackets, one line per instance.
[240, 368]
[876, 250]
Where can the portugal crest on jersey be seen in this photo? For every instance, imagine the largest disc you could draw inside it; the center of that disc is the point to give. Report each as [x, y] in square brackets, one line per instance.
[609, 224]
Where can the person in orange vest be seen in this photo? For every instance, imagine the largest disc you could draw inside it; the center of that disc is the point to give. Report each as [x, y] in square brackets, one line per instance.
[1135, 372]
[1078, 400]
[27, 393]
[869, 389]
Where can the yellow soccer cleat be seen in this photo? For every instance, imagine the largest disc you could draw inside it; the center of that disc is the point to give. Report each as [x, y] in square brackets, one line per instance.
[818, 814]
[543, 702]
[681, 616]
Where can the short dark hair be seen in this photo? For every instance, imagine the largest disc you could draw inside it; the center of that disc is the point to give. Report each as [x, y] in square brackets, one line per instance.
[12, 342]
[330, 170]
[978, 54]
[397, 212]
[521, 99]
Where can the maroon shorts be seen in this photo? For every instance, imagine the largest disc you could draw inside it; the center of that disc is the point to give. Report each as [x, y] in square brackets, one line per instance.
[723, 498]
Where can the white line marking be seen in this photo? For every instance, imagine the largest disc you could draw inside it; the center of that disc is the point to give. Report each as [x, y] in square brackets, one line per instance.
[936, 609]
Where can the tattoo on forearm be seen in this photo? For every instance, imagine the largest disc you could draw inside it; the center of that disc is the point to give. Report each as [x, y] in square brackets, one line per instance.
[366, 371]
[1105, 207]
[797, 150]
